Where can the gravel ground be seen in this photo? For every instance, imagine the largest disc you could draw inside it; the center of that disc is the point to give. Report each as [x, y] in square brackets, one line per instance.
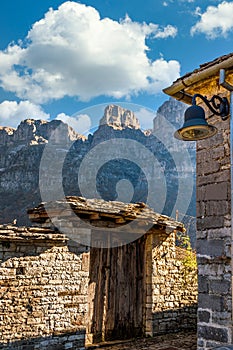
[177, 341]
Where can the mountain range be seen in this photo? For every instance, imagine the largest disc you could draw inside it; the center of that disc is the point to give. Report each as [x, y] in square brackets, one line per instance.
[43, 160]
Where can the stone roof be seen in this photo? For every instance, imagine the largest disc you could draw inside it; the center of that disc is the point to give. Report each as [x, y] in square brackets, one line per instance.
[184, 87]
[204, 66]
[96, 210]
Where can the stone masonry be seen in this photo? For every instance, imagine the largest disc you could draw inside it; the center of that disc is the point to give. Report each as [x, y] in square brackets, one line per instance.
[214, 239]
[59, 294]
[44, 290]
[214, 222]
[214, 235]
[174, 292]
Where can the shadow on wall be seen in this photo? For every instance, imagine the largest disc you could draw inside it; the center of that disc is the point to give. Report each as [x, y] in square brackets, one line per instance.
[175, 320]
[58, 341]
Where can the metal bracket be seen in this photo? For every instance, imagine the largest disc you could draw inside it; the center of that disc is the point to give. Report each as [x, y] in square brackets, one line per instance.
[222, 81]
[217, 105]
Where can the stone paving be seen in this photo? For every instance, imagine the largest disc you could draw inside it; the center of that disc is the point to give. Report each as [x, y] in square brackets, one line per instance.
[177, 341]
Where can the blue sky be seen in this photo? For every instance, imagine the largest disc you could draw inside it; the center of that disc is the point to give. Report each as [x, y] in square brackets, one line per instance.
[62, 59]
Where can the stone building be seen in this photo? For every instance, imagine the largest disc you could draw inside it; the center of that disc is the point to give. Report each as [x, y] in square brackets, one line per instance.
[214, 198]
[58, 292]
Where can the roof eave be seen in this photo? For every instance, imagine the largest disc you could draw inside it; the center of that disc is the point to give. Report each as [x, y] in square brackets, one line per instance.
[177, 89]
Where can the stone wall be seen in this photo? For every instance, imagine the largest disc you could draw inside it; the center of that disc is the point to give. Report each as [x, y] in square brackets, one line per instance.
[174, 286]
[43, 290]
[57, 296]
[214, 175]
[214, 238]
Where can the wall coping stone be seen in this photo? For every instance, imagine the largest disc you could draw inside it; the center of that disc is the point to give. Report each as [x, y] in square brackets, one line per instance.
[14, 233]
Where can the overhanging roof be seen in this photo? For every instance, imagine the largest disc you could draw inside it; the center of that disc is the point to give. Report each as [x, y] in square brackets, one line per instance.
[96, 210]
[209, 70]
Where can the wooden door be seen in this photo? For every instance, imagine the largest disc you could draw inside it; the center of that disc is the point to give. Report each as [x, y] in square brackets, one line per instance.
[117, 291]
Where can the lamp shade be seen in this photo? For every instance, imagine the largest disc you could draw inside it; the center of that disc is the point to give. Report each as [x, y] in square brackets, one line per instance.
[195, 125]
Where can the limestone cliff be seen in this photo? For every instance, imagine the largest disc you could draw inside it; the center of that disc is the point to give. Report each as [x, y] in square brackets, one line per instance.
[173, 110]
[119, 118]
[32, 131]
[20, 154]
[125, 176]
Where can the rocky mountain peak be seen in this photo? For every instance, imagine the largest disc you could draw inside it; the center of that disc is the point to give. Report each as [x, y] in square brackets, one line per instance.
[5, 133]
[119, 118]
[31, 132]
[173, 111]
[7, 129]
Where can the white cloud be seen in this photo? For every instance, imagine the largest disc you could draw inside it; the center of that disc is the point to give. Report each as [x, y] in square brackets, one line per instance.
[163, 71]
[12, 112]
[166, 3]
[73, 52]
[166, 32]
[215, 21]
[146, 118]
[80, 123]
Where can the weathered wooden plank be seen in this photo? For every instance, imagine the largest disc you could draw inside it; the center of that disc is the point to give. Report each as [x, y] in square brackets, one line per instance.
[119, 300]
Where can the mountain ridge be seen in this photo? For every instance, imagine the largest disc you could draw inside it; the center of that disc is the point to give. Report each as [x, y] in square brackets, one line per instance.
[22, 150]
